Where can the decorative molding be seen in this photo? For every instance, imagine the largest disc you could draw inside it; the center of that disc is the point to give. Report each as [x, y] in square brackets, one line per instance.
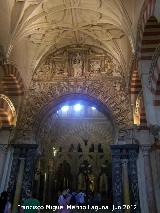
[45, 97]
[146, 148]
[4, 147]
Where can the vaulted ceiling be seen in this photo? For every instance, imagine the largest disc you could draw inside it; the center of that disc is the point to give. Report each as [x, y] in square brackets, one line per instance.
[33, 28]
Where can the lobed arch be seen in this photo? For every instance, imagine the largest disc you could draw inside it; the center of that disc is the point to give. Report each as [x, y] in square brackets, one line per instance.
[8, 115]
[54, 105]
[90, 128]
[78, 133]
[51, 96]
[48, 127]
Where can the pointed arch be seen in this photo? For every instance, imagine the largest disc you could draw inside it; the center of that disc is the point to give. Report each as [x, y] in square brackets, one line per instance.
[146, 12]
[151, 38]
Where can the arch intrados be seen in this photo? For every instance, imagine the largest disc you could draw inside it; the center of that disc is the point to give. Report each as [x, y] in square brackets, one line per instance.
[5, 100]
[54, 105]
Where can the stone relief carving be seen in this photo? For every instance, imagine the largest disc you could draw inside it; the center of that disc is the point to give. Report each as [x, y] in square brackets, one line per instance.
[52, 67]
[77, 62]
[77, 65]
[47, 92]
[95, 66]
[77, 70]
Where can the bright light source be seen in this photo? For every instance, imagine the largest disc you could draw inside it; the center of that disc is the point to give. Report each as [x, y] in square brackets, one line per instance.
[93, 108]
[54, 151]
[77, 107]
[65, 108]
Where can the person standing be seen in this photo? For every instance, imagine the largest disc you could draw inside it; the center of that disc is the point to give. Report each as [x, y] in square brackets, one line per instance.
[30, 201]
[5, 205]
[81, 198]
[64, 200]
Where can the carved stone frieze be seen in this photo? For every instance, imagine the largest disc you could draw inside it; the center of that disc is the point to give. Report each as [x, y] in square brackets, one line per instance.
[78, 62]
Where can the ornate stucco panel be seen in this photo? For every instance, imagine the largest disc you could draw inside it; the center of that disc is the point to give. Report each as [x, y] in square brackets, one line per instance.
[76, 70]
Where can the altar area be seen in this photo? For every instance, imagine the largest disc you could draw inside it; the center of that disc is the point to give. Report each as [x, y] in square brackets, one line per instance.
[89, 172]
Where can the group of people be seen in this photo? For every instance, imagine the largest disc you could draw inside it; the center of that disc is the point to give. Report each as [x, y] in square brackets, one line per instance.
[66, 197]
[6, 206]
[77, 198]
[71, 198]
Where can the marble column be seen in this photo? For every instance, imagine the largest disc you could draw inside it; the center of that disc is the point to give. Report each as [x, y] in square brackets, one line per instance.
[18, 185]
[5, 168]
[133, 177]
[45, 187]
[124, 177]
[29, 170]
[14, 171]
[125, 180]
[117, 178]
[37, 178]
[149, 179]
[28, 153]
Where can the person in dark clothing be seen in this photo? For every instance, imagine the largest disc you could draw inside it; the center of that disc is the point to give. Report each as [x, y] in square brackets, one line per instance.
[5, 205]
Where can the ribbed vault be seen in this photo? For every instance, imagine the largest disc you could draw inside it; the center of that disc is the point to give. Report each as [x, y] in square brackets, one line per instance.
[43, 26]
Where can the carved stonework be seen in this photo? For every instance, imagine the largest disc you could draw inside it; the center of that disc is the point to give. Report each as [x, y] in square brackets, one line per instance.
[146, 148]
[133, 178]
[117, 178]
[82, 70]
[27, 152]
[29, 169]
[43, 94]
[78, 62]
[14, 171]
[123, 155]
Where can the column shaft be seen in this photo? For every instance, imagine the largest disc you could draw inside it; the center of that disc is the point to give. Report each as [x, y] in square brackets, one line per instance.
[117, 178]
[126, 195]
[18, 185]
[133, 179]
[149, 179]
[5, 170]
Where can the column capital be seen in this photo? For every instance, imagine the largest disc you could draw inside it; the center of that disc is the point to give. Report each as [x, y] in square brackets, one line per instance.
[124, 162]
[22, 150]
[146, 148]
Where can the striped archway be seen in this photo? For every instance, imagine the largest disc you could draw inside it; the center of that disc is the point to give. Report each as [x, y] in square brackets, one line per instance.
[150, 51]
[11, 82]
[135, 86]
[146, 12]
[151, 38]
[155, 78]
[7, 112]
[136, 92]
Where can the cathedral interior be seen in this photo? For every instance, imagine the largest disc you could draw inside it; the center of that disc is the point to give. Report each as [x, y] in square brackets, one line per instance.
[80, 100]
